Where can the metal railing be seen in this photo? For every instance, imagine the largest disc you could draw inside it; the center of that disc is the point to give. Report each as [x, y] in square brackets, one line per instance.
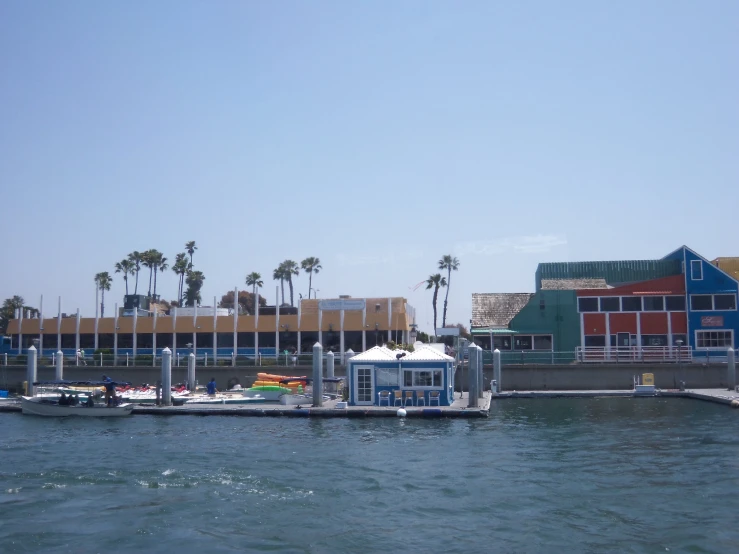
[635, 354]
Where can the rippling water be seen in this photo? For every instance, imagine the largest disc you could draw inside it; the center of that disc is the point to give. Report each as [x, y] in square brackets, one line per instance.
[600, 475]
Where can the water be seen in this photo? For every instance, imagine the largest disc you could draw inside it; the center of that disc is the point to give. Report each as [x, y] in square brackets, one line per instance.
[600, 475]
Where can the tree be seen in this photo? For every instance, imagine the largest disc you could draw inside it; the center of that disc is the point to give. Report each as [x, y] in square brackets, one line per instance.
[450, 263]
[181, 267]
[135, 258]
[7, 312]
[160, 264]
[148, 259]
[103, 281]
[310, 266]
[279, 275]
[190, 248]
[254, 280]
[194, 283]
[434, 282]
[290, 268]
[245, 301]
[126, 267]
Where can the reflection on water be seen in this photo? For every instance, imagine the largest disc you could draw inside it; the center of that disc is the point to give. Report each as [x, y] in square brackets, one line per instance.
[585, 475]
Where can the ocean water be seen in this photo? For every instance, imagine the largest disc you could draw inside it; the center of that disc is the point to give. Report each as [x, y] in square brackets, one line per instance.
[574, 475]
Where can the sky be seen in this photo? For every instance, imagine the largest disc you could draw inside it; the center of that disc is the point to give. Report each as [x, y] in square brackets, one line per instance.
[377, 136]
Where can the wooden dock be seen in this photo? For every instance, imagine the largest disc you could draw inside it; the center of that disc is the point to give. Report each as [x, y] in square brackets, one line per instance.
[720, 396]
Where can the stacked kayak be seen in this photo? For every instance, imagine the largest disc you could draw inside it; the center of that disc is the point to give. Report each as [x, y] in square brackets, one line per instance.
[272, 387]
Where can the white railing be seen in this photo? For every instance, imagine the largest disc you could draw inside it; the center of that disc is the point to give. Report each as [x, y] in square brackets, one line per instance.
[634, 354]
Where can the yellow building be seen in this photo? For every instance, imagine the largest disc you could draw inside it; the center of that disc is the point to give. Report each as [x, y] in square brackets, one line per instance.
[338, 324]
[729, 265]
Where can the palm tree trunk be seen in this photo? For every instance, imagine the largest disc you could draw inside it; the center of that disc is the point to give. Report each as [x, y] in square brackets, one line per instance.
[125, 280]
[290, 282]
[446, 297]
[151, 271]
[310, 282]
[155, 281]
[282, 286]
[102, 303]
[136, 288]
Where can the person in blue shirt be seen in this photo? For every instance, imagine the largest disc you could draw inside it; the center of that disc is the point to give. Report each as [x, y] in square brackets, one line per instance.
[212, 390]
[109, 390]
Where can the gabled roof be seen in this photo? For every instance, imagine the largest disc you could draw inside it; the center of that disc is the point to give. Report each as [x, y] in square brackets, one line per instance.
[377, 354]
[684, 248]
[573, 284]
[427, 354]
[614, 272]
[496, 310]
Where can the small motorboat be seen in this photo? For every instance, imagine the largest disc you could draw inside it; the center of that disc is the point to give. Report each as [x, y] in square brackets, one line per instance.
[50, 407]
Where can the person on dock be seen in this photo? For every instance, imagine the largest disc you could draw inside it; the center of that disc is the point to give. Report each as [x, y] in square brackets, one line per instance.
[212, 390]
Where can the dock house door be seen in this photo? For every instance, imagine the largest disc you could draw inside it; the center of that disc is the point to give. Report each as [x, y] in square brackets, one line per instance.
[364, 384]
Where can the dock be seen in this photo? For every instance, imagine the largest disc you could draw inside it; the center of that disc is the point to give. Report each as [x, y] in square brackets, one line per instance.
[720, 396]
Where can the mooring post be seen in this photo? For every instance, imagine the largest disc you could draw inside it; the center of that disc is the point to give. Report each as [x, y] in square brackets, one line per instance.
[731, 367]
[59, 362]
[5, 358]
[480, 368]
[317, 375]
[496, 369]
[191, 371]
[473, 362]
[166, 377]
[330, 361]
[31, 369]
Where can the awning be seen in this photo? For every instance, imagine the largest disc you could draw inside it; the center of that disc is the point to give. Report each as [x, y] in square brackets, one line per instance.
[493, 331]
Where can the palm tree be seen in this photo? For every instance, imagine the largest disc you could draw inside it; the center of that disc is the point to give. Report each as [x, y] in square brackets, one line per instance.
[311, 265]
[254, 280]
[450, 263]
[103, 281]
[191, 248]
[181, 267]
[279, 274]
[194, 284]
[290, 268]
[148, 259]
[126, 267]
[434, 282]
[160, 265]
[135, 258]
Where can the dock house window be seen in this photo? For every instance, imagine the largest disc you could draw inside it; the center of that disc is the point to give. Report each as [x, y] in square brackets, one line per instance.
[522, 342]
[422, 378]
[675, 303]
[654, 303]
[631, 303]
[543, 342]
[701, 302]
[385, 377]
[610, 304]
[502, 343]
[587, 304]
[654, 340]
[714, 339]
[724, 302]
[696, 270]
[595, 340]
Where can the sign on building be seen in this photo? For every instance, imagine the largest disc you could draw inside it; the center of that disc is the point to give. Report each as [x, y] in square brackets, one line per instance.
[712, 321]
[341, 304]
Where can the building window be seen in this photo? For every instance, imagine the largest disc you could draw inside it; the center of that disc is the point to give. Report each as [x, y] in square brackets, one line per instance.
[701, 302]
[675, 303]
[543, 342]
[387, 377]
[714, 339]
[654, 340]
[654, 303]
[422, 378]
[587, 304]
[522, 342]
[724, 302]
[696, 270]
[610, 304]
[631, 303]
[595, 340]
[502, 343]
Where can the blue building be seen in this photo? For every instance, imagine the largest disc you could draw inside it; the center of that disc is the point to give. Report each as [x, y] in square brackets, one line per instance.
[381, 376]
[713, 320]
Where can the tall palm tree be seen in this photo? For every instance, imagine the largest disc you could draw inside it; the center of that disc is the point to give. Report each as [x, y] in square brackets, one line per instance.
[279, 274]
[434, 282]
[311, 265]
[148, 259]
[160, 264]
[180, 267]
[254, 280]
[290, 268]
[126, 267]
[194, 284]
[103, 281]
[136, 259]
[191, 248]
[450, 263]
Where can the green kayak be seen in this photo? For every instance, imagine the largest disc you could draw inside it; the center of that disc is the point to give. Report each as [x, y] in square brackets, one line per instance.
[275, 388]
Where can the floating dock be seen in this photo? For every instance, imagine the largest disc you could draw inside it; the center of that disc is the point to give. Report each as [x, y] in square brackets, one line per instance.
[720, 396]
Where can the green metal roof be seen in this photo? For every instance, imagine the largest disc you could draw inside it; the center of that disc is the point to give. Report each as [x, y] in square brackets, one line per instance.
[614, 272]
[493, 331]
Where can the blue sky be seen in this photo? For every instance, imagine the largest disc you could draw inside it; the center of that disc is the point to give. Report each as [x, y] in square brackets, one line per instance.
[377, 136]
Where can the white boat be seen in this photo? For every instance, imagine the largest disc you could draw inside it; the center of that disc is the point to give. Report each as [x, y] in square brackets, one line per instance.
[32, 405]
[224, 399]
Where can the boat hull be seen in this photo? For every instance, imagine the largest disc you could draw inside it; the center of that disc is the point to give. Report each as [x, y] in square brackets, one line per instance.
[42, 407]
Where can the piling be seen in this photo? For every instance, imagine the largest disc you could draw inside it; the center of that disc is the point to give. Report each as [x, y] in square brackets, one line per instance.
[480, 379]
[317, 375]
[472, 369]
[191, 372]
[497, 369]
[731, 368]
[166, 377]
[59, 360]
[330, 365]
[31, 369]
